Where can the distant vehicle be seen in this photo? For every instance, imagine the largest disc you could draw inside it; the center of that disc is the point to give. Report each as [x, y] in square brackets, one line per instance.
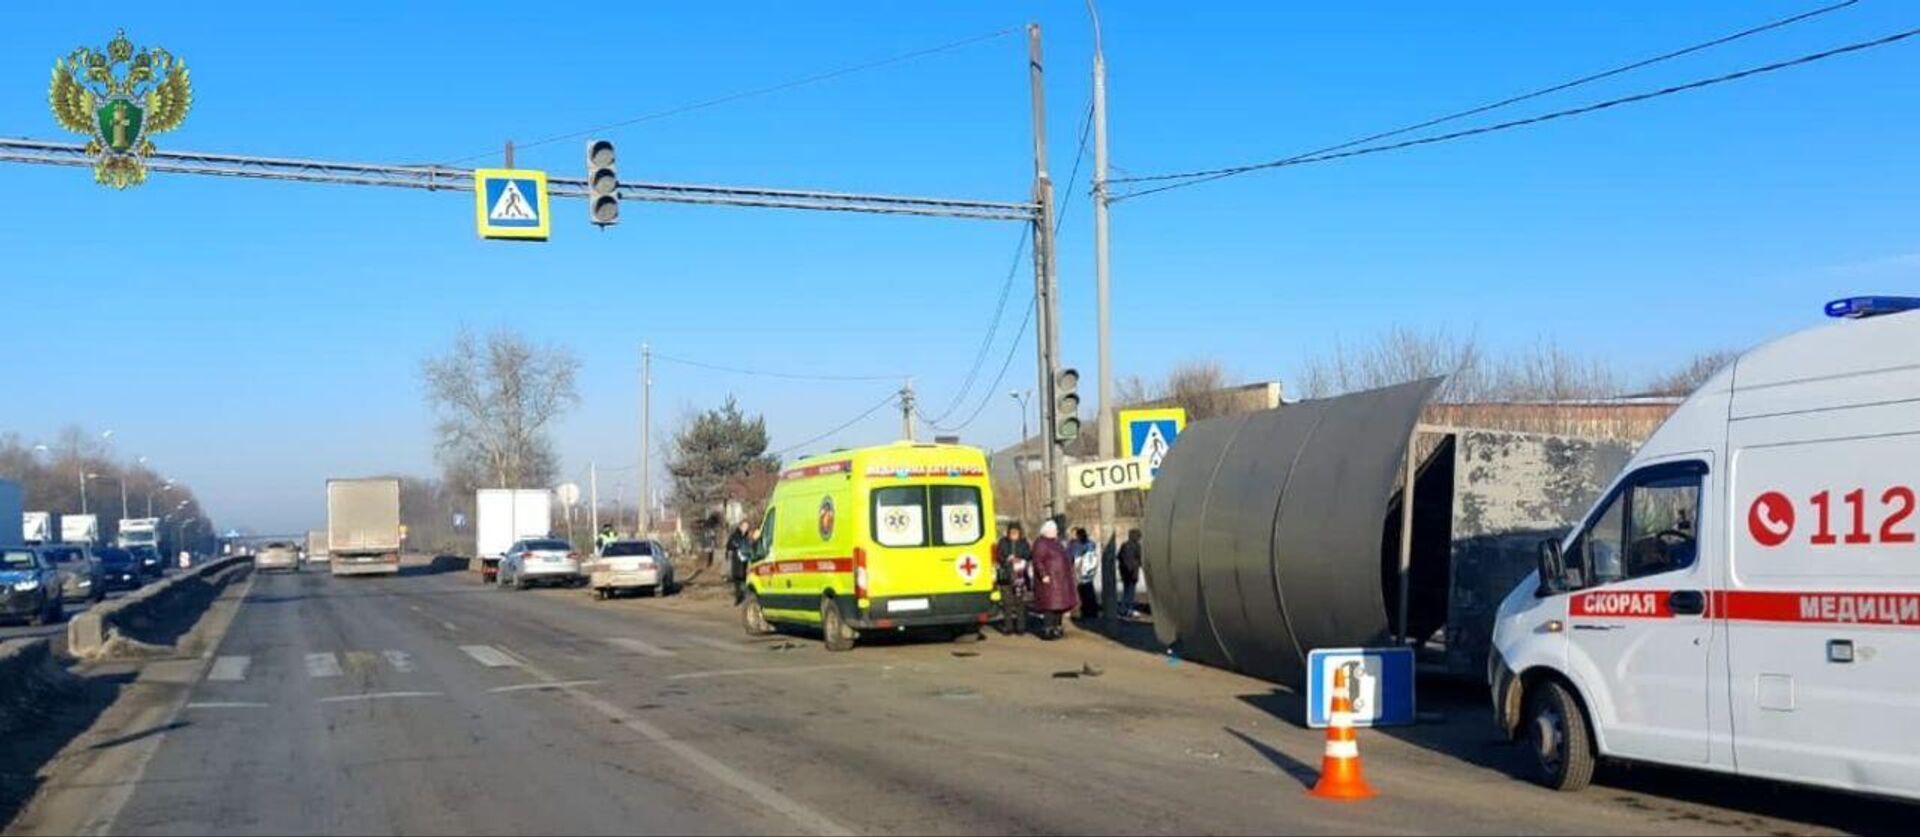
[630, 566]
[503, 516]
[29, 587]
[1745, 598]
[363, 526]
[882, 538]
[150, 562]
[12, 518]
[38, 527]
[138, 531]
[317, 546]
[80, 528]
[540, 561]
[119, 570]
[278, 555]
[80, 576]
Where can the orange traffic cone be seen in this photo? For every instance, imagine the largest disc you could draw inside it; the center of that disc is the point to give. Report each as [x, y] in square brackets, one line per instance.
[1340, 768]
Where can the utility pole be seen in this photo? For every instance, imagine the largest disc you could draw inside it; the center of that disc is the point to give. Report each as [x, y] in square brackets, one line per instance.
[1047, 332]
[1109, 610]
[646, 442]
[906, 410]
[593, 500]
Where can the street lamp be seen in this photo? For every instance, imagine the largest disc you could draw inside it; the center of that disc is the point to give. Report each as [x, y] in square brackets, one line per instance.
[168, 486]
[1020, 458]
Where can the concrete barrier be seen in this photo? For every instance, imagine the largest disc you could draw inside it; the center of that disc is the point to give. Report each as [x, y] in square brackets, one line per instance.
[29, 674]
[145, 616]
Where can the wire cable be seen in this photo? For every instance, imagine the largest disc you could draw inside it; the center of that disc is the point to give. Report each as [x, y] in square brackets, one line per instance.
[993, 331]
[761, 373]
[1535, 120]
[1004, 366]
[759, 91]
[1568, 85]
[891, 398]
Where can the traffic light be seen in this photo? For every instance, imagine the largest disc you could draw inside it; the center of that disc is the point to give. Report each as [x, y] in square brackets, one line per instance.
[1066, 406]
[603, 185]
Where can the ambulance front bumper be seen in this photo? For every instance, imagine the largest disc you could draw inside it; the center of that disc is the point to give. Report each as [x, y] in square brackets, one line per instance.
[894, 612]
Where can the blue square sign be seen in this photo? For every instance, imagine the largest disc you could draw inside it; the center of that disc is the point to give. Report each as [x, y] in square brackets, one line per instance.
[1380, 685]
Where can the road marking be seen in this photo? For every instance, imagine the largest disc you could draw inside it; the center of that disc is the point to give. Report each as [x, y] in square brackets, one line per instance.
[358, 661]
[744, 672]
[721, 644]
[229, 669]
[641, 647]
[323, 665]
[227, 705]
[400, 660]
[376, 696]
[489, 656]
[538, 687]
[803, 817]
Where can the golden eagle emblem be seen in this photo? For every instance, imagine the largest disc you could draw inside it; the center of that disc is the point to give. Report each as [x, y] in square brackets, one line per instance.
[119, 99]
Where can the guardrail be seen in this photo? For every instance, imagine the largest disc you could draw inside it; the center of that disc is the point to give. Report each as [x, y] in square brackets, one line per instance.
[134, 616]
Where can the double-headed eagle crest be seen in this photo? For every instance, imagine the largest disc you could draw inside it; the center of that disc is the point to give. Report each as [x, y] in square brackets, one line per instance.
[118, 100]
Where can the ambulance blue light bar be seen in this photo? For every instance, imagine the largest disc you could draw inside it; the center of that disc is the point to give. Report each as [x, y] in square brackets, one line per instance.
[1861, 307]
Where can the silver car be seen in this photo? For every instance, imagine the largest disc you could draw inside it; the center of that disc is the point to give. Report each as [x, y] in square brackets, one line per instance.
[81, 578]
[540, 561]
[278, 555]
[630, 566]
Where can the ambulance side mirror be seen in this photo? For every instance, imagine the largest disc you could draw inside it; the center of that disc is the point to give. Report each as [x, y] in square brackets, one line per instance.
[1552, 566]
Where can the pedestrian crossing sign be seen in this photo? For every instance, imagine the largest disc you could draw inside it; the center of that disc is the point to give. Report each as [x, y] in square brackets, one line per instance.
[511, 203]
[1149, 434]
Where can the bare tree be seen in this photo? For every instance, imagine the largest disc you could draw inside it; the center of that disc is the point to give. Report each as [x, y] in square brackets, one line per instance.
[496, 401]
[1547, 372]
[1198, 386]
[1542, 372]
[1689, 377]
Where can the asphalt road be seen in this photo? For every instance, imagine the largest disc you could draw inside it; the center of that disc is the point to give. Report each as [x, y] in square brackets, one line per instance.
[431, 704]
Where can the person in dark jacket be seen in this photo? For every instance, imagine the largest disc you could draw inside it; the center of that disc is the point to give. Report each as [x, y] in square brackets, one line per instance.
[1129, 559]
[739, 550]
[1011, 557]
[1054, 595]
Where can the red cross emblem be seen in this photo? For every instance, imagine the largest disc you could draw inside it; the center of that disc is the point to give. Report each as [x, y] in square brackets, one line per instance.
[968, 567]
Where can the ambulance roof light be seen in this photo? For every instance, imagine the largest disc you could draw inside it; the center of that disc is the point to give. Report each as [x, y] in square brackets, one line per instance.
[1861, 307]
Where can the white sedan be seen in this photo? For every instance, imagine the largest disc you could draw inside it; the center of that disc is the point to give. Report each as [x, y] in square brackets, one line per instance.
[630, 566]
[540, 561]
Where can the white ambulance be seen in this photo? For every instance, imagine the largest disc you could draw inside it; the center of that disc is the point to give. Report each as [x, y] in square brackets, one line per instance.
[1746, 596]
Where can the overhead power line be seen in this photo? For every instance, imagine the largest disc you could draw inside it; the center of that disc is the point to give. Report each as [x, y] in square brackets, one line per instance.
[889, 400]
[758, 91]
[1567, 85]
[762, 373]
[1533, 120]
[1005, 364]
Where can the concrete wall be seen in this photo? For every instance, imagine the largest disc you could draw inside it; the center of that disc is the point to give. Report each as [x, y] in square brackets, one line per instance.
[145, 614]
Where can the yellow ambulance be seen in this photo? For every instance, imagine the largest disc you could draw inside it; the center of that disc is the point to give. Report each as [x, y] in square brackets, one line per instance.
[884, 538]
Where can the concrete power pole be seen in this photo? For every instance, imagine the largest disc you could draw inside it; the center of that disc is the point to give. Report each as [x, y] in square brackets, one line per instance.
[906, 410]
[646, 442]
[593, 499]
[1109, 611]
[1047, 331]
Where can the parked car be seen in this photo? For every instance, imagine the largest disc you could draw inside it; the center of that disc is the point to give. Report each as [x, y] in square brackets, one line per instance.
[630, 566]
[540, 561]
[29, 587]
[278, 555]
[80, 576]
[119, 570]
[150, 563]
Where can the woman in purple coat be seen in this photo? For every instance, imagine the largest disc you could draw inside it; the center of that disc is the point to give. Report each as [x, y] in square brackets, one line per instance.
[1053, 581]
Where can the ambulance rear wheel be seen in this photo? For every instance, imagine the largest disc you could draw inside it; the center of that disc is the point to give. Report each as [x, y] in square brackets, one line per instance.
[833, 624]
[1556, 734]
[753, 617]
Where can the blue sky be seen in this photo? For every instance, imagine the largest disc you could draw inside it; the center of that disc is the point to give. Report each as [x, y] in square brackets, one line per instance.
[285, 322]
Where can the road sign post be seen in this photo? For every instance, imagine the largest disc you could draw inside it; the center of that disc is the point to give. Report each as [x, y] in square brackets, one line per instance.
[511, 204]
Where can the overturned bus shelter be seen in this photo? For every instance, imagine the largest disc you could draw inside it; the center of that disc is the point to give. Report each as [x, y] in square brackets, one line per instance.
[1273, 533]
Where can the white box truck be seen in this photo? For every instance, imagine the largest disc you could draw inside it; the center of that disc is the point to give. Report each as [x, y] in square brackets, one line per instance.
[38, 527]
[363, 526]
[505, 515]
[12, 517]
[317, 545]
[79, 528]
[138, 531]
[1745, 597]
